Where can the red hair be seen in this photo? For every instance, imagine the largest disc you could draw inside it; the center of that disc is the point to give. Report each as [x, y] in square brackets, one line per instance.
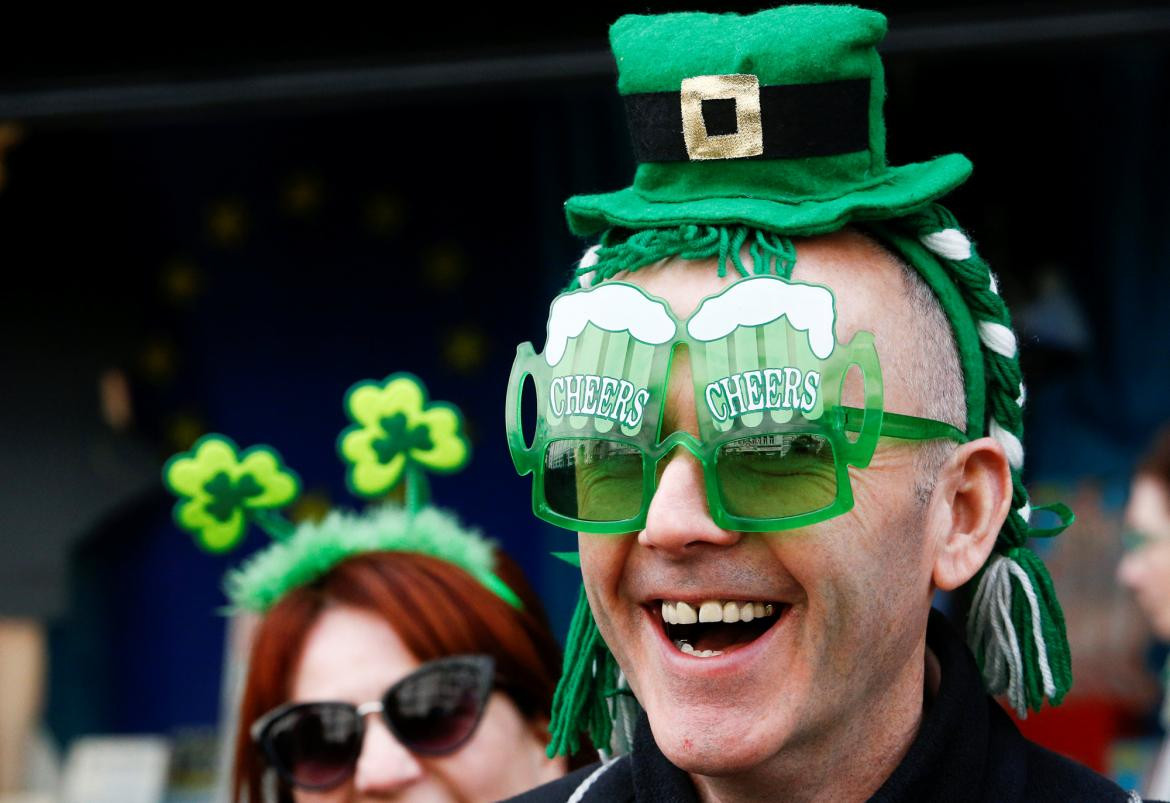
[436, 608]
[1156, 462]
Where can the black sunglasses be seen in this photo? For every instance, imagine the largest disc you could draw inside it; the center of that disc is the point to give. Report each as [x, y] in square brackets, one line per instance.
[432, 712]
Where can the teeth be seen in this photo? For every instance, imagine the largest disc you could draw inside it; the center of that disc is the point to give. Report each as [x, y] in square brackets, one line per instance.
[714, 610]
[685, 646]
[730, 612]
[668, 613]
[711, 611]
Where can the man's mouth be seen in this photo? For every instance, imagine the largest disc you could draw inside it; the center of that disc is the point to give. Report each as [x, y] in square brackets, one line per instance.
[716, 626]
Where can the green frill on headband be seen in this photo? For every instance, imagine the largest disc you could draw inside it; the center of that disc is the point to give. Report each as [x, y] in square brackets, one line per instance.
[316, 547]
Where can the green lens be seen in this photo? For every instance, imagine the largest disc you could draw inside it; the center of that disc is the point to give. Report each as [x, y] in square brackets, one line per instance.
[775, 476]
[593, 480]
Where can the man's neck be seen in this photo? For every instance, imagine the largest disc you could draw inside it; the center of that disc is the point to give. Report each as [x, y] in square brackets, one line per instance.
[850, 760]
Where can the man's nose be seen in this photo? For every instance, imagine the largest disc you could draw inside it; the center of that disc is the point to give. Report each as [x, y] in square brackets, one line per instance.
[678, 518]
[385, 765]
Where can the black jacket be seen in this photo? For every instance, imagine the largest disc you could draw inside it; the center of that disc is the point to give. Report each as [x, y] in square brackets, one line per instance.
[967, 749]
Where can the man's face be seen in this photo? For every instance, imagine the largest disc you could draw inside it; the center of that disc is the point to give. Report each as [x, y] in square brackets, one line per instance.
[1146, 569]
[850, 595]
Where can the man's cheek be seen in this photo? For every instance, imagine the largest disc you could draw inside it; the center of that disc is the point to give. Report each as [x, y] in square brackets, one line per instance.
[600, 570]
[595, 562]
[835, 618]
[849, 601]
[603, 559]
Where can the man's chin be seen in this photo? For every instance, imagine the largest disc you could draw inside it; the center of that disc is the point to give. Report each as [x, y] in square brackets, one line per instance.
[701, 746]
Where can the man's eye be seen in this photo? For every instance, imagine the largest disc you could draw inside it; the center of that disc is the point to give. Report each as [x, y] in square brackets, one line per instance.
[778, 455]
[810, 445]
[620, 469]
[771, 463]
[605, 450]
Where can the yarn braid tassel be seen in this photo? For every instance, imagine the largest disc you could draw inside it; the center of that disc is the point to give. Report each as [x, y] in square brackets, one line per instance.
[588, 677]
[1015, 626]
[1016, 629]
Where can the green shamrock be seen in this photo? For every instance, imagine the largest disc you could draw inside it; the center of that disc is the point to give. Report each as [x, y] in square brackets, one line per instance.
[220, 488]
[395, 431]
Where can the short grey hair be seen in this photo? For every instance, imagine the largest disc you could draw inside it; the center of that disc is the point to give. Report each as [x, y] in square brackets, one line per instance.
[937, 371]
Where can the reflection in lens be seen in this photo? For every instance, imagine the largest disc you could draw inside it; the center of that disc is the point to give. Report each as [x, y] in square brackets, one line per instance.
[776, 475]
[317, 744]
[436, 709]
[593, 480]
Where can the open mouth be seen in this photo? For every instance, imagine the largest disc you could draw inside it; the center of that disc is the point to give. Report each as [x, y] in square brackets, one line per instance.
[714, 627]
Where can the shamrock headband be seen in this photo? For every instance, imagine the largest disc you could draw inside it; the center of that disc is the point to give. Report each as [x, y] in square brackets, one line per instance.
[395, 438]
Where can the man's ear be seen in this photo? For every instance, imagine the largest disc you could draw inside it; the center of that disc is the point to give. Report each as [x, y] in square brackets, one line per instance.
[970, 501]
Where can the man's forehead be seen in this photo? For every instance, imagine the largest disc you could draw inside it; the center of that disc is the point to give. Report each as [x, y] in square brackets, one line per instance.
[868, 288]
[865, 281]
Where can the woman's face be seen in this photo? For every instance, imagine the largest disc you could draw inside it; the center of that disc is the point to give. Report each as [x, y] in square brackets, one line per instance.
[355, 656]
[1146, 570]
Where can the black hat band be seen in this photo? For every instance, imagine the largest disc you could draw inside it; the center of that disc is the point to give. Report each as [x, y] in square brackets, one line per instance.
[789, 121]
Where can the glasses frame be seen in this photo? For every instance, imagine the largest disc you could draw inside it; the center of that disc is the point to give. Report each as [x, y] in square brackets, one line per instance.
[834, 423]
[260, 730]
[1136, 540]
[902, 427]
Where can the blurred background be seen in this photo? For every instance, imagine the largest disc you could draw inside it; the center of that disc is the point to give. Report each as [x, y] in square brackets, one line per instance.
[211, 232]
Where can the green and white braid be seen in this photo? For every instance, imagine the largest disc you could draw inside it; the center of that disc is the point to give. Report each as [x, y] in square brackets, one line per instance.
[1015, 625]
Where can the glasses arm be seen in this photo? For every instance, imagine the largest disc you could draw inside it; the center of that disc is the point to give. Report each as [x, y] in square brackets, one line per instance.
[906, 427]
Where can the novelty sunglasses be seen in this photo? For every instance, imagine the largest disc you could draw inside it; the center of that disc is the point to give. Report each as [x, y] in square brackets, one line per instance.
[1133, 539]
[432, 711]
[775, 442]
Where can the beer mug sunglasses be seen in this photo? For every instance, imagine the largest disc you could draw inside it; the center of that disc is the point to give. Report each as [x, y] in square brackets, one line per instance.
[432, 711]
[775, 441]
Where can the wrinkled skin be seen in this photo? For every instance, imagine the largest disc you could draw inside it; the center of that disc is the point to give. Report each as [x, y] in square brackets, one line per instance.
[825, 704]
[1146, 570]
[354, 656]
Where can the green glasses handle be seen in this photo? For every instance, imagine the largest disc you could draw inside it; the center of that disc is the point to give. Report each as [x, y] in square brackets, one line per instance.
[526, 364]
[862, 353]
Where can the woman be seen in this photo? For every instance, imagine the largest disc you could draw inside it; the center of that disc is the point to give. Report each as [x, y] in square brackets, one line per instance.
[367, 624]
[1145, 571]
[398, 653]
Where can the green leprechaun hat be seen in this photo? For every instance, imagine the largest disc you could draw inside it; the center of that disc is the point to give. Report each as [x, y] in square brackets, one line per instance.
[772, 120]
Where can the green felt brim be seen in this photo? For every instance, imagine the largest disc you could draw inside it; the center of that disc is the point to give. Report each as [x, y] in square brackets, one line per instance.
[904, 190]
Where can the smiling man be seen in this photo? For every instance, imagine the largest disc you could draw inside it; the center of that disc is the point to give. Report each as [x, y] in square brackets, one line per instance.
[781, 405]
